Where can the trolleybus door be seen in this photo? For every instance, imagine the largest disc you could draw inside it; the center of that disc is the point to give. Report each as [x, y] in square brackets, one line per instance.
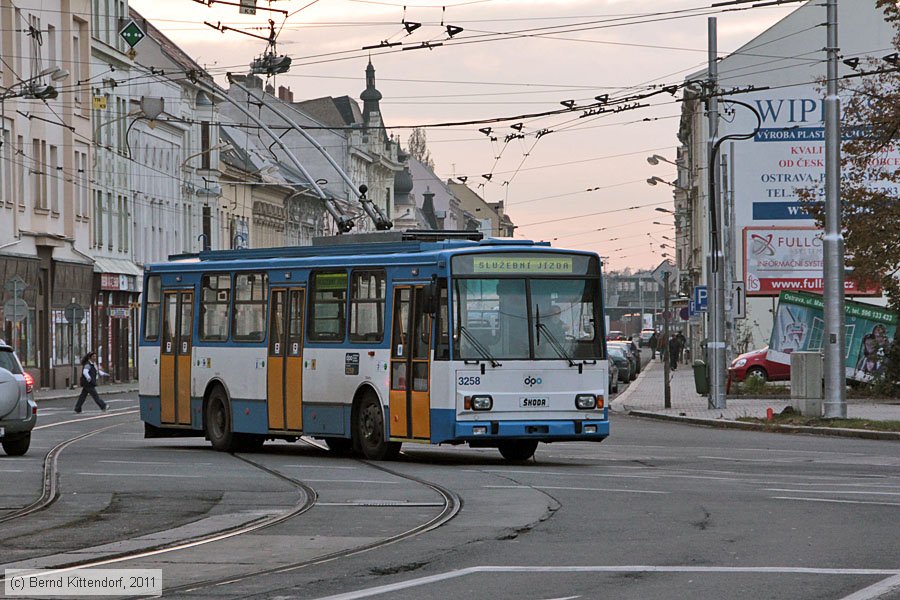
[175, 357]
[410, 396]
[285, 370]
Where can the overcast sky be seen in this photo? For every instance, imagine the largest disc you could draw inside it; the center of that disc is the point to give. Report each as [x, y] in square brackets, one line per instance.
[513, 57]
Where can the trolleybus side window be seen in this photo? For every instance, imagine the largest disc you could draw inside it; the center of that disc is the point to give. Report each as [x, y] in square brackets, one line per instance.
[367, 292]
[215, 302]
[170, 318]
[442, 344]
[250, 293]
[151, 312]
[328, 306]
[400, 348]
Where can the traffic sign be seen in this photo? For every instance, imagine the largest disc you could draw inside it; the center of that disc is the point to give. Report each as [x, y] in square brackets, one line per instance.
[74, 313]
[660, 272]
[701, 298]
[15, 285]
[15, 310]
[132, 33]
[738, 300]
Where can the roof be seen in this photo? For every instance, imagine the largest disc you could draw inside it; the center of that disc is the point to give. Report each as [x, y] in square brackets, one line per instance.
[170, 48]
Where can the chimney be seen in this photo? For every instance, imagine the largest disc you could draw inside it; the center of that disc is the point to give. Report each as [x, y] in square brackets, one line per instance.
[285, 94]
[270, 89]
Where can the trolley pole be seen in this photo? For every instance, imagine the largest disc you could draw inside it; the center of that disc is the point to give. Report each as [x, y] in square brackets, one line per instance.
[835, 404]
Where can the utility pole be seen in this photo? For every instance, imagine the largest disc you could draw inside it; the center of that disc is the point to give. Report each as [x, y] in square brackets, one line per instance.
[715, 271]
[667, 360]
[835, 404]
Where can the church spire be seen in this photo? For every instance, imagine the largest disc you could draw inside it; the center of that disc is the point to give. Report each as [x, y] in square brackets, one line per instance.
[370, 95]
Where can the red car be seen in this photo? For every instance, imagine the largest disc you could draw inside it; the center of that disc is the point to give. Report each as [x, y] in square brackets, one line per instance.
[755, 364]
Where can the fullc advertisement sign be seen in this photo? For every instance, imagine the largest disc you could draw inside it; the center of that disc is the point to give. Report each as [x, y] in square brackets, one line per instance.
[788, 258]
[800, 326]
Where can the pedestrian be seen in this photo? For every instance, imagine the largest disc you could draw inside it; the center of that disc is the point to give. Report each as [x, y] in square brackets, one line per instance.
[661, 346]
[674, 351]
[89, 373]
[654, 340]
[682, 344]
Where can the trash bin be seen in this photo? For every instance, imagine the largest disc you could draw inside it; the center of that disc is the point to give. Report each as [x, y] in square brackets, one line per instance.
[701, 377]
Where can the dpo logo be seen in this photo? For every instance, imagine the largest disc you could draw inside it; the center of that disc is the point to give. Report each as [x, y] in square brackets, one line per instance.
[532, 381]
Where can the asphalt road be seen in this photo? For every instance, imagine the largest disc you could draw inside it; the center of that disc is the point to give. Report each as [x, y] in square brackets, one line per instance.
[657, 511]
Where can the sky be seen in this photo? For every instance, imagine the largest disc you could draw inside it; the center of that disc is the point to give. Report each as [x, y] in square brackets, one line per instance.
[577, 181]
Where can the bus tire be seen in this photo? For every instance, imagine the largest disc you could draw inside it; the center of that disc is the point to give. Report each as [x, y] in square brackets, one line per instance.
[218, 422]
[517, 450]
[339, 446]
[369, 431]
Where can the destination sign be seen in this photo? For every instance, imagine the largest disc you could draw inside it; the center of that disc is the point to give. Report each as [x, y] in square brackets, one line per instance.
[525, 263]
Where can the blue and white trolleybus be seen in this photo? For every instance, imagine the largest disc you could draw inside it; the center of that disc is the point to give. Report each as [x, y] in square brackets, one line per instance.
[368, 345]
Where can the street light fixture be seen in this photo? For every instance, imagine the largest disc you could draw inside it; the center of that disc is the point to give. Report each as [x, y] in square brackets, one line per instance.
[656, 159]
[30, 88]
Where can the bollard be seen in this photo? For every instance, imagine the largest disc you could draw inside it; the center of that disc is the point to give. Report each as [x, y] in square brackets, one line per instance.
[770, 414]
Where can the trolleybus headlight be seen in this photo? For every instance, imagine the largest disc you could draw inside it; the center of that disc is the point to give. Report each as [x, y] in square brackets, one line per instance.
[585, 401]
[590, 429]
[482, 403]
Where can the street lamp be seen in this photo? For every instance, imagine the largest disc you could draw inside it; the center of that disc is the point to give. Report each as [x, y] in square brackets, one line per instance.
[656, 158]
[30, 88]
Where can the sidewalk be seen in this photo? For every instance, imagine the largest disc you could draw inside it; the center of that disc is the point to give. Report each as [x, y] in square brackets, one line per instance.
[103, 389]
[644, 397]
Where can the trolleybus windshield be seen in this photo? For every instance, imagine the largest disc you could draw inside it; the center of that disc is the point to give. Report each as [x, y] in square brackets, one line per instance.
[526, 306]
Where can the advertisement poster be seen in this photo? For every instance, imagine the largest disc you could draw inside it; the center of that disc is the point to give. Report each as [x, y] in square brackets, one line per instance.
[788, 258]
[800, 326]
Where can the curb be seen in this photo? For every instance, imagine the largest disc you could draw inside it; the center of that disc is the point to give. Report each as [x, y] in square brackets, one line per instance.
[729, 424]
[68, 394]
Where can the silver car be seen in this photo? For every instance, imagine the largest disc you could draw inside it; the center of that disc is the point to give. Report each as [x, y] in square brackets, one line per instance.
[18, 412]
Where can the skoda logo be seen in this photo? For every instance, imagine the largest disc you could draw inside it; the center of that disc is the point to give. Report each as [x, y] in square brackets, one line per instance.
[532, 381]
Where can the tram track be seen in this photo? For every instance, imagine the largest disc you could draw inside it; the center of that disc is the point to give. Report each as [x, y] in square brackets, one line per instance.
[449, 504]
[50, 476]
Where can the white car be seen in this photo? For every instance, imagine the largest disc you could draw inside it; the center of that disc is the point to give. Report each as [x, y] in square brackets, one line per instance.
[18, 411]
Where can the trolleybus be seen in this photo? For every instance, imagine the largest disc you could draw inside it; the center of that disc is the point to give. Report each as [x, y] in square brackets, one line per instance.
[368, 345]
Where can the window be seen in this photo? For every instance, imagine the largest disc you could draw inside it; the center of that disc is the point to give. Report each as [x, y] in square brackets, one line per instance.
[328, 307]
[204, 145]
[151, 309]
[367, 293]
[215, 301]
[442, 345]
[249, 320]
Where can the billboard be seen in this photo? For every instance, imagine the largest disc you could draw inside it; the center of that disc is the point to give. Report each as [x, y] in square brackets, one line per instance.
[800, 326]
[788, 258]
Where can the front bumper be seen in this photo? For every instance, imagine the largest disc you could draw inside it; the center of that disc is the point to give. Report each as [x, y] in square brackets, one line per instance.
[542, 431]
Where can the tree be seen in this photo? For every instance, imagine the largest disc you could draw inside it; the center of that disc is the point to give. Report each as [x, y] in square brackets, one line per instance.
[418, 148]
[870, 205]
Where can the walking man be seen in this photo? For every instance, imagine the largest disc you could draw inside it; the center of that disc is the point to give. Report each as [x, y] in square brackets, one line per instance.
[89, 374]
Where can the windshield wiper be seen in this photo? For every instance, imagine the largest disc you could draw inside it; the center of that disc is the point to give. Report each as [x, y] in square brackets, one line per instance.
[554, 343]
[478, 346]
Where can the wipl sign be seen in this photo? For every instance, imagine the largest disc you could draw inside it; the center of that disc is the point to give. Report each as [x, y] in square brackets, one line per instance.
[780, 259]
[800, 326]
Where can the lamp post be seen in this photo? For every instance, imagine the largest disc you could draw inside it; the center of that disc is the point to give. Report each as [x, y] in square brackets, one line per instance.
[655, 159]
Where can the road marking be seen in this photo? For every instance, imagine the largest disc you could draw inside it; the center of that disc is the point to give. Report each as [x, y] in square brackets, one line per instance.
[142, 475]
[329, 467]
[755, 460]
[538, 472]
[349, 481]
[394, 587]
[572, 489]
[139, 462]
[876, 591]
[833, 492]
[835, 501]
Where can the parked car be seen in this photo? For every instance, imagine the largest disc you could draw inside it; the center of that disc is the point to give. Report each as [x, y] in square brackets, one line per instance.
[755, 364]
[613, 378]
[633, 352]
[18, 411]
[618, 358]
[633, 360]
[615, 335]
[645, 336]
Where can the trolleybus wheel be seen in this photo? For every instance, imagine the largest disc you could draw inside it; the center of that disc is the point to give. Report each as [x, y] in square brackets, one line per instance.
[517, 450]
[370, 431]
[218, 422]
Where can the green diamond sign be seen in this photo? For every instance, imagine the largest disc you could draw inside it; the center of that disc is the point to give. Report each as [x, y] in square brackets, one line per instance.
[132, 33]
